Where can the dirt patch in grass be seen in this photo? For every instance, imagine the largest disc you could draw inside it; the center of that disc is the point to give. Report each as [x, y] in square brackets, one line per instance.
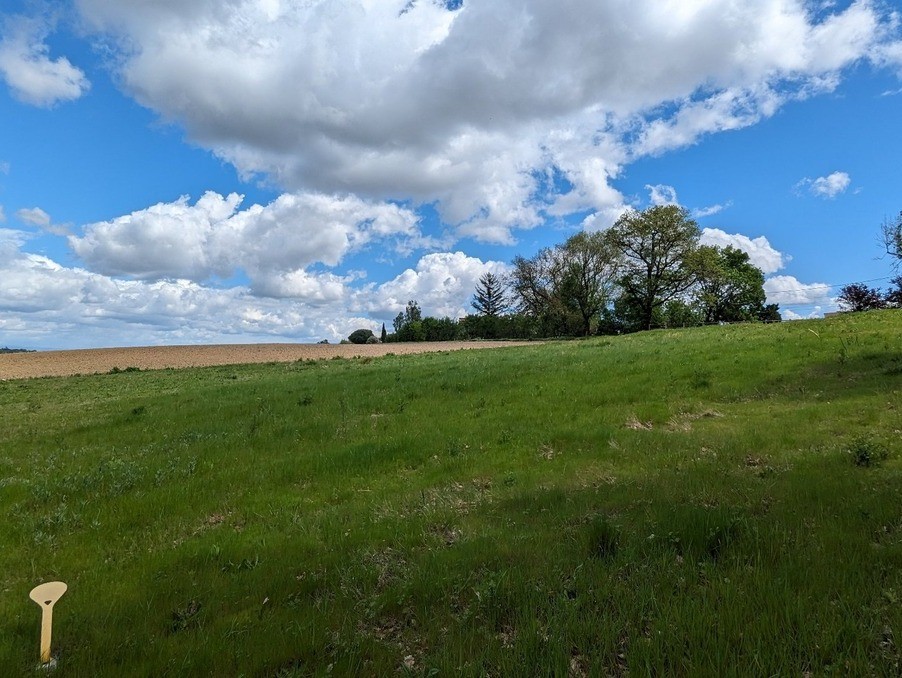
[101, 360]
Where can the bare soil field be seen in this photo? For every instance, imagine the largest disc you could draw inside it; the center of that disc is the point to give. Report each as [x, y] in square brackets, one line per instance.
[100, 360]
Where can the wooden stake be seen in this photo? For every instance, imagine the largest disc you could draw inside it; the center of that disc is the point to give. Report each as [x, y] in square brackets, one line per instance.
[46, 596]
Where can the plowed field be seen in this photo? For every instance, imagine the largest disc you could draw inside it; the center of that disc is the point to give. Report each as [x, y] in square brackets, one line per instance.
[99, 360]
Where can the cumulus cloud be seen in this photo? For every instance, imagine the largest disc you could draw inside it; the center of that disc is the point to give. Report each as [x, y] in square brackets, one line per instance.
[11, 241]
[442, 283]
[761, 253]
[273, 244]
[786, 289]
[828, 187]
[28, 70]
[789, 314]
[729, 109]
[467, 106]
[48, 305]
[662, 194]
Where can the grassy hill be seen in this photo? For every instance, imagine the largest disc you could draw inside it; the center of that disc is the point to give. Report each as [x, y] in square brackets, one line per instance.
[719, 501]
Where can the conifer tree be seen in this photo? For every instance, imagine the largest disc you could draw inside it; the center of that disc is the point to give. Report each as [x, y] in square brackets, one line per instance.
[491, 296]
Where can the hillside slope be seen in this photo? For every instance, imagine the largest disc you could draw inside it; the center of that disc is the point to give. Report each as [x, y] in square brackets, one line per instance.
[718, 501]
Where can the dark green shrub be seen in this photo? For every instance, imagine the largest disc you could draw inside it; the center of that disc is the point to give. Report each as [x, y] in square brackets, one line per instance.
[865, 453]
[360, 336]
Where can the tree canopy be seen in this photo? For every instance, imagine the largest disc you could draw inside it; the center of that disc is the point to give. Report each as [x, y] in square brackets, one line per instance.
[860, 297]
[656, 248]
[360, 336]
[648, 270]
[729, 288]
[567, 286]
[589, 264]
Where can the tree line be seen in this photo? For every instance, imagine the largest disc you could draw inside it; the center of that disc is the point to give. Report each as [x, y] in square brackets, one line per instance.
[649, 270]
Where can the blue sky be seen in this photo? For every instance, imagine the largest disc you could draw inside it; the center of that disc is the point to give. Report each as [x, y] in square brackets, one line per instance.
[266, 170]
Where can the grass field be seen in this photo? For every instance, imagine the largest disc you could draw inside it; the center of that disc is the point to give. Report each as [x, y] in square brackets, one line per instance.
[719, 501]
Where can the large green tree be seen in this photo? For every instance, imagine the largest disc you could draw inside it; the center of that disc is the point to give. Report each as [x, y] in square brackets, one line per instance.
[534, 284]
[656, 247]
[729, 288]
[566, 287]
[360, 336]
[410, 314]
[588, 265]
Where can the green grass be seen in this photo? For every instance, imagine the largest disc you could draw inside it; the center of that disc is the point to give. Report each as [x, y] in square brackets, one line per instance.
[719, 501]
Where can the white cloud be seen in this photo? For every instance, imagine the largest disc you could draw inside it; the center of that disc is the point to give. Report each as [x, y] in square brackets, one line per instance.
[786, 289]
[470, 109]
[272, 244]
[2, 215]
[31, 74]
[728, 109]
[702, 212]
[828, 187]
[789, 314]
[662, 194]
[167, 240]
[34, 216]
[892, 54]
[10, 242]
[318, 289]
[761, 253]
[47, 305]
[38, 218]
[442, 283]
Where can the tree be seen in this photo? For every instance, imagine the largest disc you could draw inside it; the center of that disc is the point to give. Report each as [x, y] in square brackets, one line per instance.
[532, 282]
[508, 326]
[860, 297]
[567, 287]
[360, 336]
[677, 313]
[656, 247]
[409, 324]
[491, 296]
[384, 334]
[892, 237]
[729, 288]
[588, 265]
[535, 284]
[410, 314]
[893, 296]
[770, 314]
[438, 329]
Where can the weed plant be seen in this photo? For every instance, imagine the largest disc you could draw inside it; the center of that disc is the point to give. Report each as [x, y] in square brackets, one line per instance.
[668, 503]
